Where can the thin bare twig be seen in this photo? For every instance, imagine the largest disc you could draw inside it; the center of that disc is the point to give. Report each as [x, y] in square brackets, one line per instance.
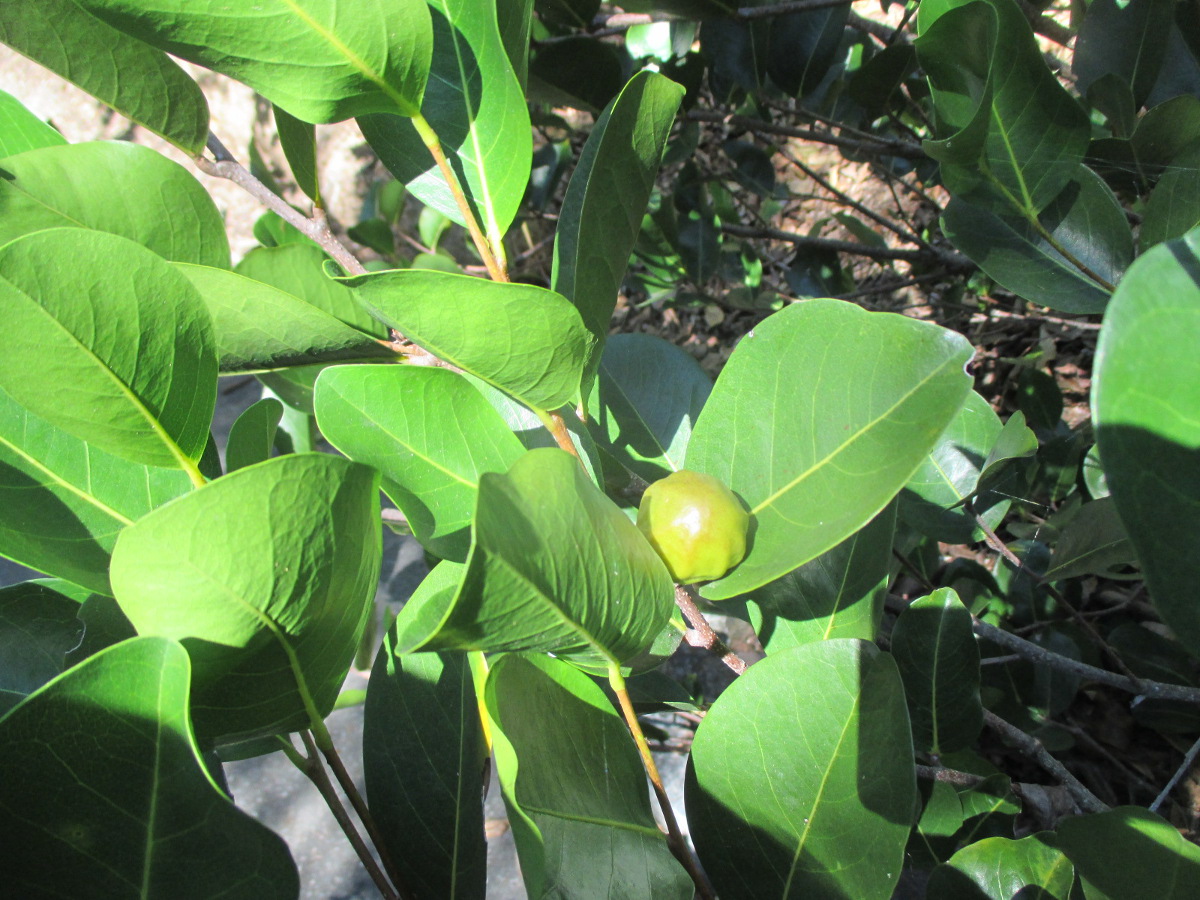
[223, 165]
[701, 633]
[880, 146]
[951, 260]
[1032, 748]
[1189, 760]
[1156, 690]
[315, 772]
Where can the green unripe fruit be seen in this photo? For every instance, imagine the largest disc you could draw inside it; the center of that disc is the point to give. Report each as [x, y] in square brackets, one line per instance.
[696, 524]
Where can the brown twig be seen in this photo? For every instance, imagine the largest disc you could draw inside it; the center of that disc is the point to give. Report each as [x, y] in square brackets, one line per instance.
[952, 261]
[223, 165]
[1032, 748]
[701, 633]
[312, 768]
[879, 146]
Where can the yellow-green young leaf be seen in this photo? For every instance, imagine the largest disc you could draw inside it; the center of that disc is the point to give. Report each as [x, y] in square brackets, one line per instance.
[122, 344]
[267, 575]
[821, 416]
[112, 789]
[802, 781]
[321, 60]
[576, 792]
[138, 81]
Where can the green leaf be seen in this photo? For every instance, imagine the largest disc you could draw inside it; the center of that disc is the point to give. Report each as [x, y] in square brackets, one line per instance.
[527, 341]
[299, 142]
[252, 436]
[602, 212]
[932, 500]
[1094, 542]
[803, 781]
[1086, 223]
[475, 105]
[838, 594]
[1154, 859]
[423, 759]
[1002, 869]
[1174, 207]
[1146, 404]
[555, 566]
[822, 414]
[645, 402]
[299, 270]
[576, 793]
[314, 58]
[38, 626]
[141, 83]
[515, 19]
[934, 648]
[395, 418]
[127, 363]
[259, 326]
[1007, 123]
[21, 130]
[64, 501]
[113, 789]
[129, 190]
[271, 601]
[1125, 40]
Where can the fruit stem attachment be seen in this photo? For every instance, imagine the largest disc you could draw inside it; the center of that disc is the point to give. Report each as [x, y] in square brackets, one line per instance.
[675, 839]
[701, 633]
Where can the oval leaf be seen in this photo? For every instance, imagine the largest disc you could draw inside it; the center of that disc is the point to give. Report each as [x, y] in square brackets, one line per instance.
[576, 793]
[602, 212]
[394, 418]
[525, 340]
[1154, 859]
[129, 190]
[259, 326]
[934, 648]
[138, 81]
[650, 394]
[555, 567]
[109, 806]
[267, 574]
[65, 501]
[822, 414]
[1146, 400]
[423, 760]
[337, 63]
[136, 352]
[803, 781]
[997, 868]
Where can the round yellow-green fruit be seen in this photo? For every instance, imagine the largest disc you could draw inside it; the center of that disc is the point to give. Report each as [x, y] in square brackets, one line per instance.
[696, 524]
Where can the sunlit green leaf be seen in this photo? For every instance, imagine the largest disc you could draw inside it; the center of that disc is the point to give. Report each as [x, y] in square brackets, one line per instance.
[21, 130]
[822, 414]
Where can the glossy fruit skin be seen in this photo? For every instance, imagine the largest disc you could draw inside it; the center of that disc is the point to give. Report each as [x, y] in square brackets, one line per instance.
[696, 524]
